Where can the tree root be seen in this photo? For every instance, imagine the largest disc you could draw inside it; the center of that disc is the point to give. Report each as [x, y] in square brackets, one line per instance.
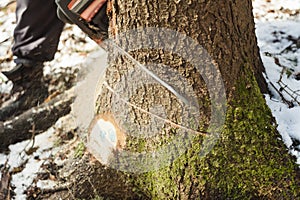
[34, 121]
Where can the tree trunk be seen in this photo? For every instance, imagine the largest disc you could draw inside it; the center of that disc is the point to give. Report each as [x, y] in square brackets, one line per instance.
[175, 145]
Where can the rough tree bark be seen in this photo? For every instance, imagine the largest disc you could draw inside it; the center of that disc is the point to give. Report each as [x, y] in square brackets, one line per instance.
[249, 160]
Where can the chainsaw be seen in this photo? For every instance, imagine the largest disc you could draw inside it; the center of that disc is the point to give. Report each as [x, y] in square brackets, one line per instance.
[89, 15]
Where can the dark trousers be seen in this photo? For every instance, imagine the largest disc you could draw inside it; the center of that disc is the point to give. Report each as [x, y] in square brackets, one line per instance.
[37, 32]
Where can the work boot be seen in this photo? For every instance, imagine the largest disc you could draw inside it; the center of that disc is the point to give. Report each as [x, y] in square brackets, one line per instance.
[28, 83]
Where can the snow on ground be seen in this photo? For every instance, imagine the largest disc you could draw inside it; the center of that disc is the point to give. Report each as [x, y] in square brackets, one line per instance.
[19, 156]
[278, 33]
[74, 51]
[273, 10]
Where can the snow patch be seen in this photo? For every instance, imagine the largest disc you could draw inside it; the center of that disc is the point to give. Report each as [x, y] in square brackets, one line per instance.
[276, 22]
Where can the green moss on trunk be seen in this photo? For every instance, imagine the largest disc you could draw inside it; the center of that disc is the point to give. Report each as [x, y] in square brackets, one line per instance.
[248, 162]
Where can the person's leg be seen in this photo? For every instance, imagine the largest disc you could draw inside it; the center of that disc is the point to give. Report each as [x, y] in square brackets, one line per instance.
[36, 39]
[37, 31]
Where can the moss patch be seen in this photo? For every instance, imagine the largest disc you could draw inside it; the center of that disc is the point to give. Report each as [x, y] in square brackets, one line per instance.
[79, 151]
[249, 161]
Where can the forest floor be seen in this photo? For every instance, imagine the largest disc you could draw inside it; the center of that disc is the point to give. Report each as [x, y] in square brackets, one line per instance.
[277, 23]
[32, 166]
